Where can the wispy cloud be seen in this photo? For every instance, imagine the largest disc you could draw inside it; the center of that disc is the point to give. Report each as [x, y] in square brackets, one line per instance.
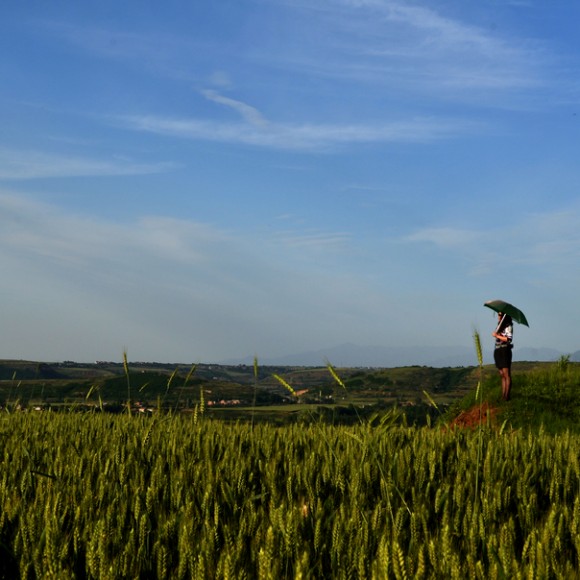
[442, 34]
[249, 113]
[156, 280]
[220, 78]
[33, 164]
[73, 240]
[314, 240]
[416, 49]
[303, 136]
[446, 237]
[39, 229]
[539, 242]
[390, 44]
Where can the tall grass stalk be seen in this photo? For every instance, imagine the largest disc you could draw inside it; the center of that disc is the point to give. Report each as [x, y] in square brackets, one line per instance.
[185, 383]
[128, 378]
[341, 384]
[478, 393]
[434, 405]
[335, 376]
[170, 379]
[287, 386]
[10, 394]
[256, 373]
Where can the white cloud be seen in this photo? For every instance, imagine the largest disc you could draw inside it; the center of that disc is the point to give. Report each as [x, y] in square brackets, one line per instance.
[446, 237]
[390, 44]
[40, 232]
[34, 164]
[536, 243]
[176, 290]
[302, 137]
[315, 240]
[162, 287]
[249, 113]
[412, 48]
[221, 79]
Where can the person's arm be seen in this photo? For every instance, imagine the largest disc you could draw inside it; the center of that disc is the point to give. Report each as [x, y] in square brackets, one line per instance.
[505, 335]
[500, 336]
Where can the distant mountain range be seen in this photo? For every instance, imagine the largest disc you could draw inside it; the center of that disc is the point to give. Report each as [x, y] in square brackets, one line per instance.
[353, 355]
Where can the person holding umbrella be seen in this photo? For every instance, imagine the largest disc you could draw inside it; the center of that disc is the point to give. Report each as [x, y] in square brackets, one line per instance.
[503, 334]
[502, 353]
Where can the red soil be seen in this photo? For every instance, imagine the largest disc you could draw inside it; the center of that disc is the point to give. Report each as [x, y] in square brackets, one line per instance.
[476, 415]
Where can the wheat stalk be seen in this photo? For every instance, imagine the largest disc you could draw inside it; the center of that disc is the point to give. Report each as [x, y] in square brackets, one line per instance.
[284, 384]
[128, 378]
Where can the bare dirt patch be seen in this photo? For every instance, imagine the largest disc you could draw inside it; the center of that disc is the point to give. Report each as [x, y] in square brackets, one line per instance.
[475, 416]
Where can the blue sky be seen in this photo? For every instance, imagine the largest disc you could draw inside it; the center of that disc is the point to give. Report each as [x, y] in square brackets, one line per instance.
[206, 180]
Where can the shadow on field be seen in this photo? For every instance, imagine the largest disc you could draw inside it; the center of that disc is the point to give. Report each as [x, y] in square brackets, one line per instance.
[8, 563]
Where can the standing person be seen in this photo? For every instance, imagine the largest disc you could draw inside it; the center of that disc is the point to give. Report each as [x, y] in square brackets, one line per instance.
[502, 354]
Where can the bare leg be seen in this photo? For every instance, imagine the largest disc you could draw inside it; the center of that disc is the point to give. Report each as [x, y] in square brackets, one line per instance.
[506, 383]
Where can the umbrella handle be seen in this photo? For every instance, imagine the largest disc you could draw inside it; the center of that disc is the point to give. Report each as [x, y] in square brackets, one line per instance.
[500, 323]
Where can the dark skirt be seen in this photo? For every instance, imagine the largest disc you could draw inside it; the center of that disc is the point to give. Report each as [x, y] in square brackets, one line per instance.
[503, 357]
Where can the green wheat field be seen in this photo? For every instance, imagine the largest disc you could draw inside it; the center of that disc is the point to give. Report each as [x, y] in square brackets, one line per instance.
[174, 495]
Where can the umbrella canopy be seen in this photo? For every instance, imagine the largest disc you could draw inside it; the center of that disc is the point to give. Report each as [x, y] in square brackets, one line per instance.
[509, 309]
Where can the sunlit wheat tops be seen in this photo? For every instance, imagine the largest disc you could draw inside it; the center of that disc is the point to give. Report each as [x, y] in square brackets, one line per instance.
[256, 376]
[96, 496]
[284, 384]
[128, 378]
[478, 394]
[334, 375]
[478, 349]
[125, 362]
[189, 374]
[170, 379]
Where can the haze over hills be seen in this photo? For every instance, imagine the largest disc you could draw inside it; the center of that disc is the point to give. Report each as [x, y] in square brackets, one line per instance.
[353, 355]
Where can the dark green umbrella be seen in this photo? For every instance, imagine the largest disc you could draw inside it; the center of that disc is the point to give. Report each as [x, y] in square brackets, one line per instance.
[509, 309]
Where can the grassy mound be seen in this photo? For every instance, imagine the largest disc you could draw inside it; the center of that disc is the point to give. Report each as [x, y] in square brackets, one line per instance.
[543, 397]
